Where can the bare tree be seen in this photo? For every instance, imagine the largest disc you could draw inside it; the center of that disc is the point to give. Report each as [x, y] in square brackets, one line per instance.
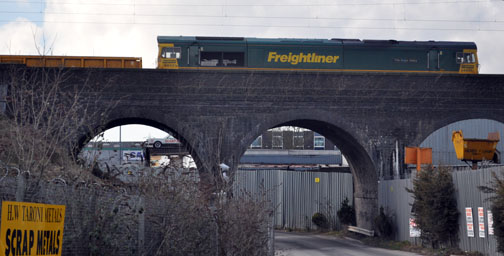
[244, 224]
[185, 220]
[45, 117]
[181, 221]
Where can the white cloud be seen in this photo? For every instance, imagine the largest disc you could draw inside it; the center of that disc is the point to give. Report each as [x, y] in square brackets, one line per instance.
[131, 133]
[18, 37]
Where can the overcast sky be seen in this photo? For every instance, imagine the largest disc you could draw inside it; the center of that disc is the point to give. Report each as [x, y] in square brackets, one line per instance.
[130, 27]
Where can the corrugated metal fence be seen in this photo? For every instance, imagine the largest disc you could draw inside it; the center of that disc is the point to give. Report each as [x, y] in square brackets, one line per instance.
[297, 195]
[394, 198]
[397, 203]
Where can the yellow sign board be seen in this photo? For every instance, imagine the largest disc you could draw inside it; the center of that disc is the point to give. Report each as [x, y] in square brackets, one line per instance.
[317, 180]
[31, 229]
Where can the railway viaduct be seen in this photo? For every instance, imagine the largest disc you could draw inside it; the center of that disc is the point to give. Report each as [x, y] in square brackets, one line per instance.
[218, 114]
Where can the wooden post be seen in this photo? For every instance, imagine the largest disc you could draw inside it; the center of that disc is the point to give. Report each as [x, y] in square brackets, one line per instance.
[419, 159]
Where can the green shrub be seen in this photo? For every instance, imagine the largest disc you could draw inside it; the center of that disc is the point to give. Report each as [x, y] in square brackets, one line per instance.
[346, 213]
[435, 206]
[320, 220]
[383, 224]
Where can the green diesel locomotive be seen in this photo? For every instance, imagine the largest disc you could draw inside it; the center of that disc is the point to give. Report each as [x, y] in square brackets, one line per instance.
[240, 53]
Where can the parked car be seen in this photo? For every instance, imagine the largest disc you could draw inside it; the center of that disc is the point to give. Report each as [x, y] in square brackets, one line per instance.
[159, 142]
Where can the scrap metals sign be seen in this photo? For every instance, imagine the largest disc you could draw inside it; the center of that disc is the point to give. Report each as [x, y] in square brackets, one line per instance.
[31, 229]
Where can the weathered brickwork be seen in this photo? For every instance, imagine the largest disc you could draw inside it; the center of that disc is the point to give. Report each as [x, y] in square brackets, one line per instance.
[219, 113]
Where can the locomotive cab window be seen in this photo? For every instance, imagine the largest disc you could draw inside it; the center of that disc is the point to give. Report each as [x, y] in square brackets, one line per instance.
[465, 57]
[222, 59]
[171, 52]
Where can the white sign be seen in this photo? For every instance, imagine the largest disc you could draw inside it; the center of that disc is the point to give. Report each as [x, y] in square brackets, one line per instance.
[469, 221]
[132, 155]
[490, 223]
[481, 222]
[413, 229]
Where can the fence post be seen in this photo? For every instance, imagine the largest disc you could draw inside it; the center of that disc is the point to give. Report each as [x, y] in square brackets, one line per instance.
[20, 188]
[271, 231]
[141, 225]
[3, 96]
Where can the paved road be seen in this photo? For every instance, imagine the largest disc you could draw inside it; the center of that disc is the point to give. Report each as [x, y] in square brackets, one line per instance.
[296, 244]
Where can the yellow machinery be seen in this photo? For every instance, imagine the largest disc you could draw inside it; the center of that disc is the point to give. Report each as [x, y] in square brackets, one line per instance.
[475, 150]
[73, 61]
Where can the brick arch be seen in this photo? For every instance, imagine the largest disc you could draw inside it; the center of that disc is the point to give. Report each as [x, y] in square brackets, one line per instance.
[456, 117]
[85, 138]
[350, 144]
[440, 139]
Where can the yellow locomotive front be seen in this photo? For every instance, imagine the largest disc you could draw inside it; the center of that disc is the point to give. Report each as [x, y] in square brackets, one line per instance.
[168, 56]
[468, 61]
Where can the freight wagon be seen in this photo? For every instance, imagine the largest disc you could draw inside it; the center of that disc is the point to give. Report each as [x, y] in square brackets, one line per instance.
[73, 61]
[238, 53]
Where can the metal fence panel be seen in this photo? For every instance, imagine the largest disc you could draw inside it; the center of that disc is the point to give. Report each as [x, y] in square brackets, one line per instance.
[396, 201]
[467, 183]
[392, 196]
[297, 195]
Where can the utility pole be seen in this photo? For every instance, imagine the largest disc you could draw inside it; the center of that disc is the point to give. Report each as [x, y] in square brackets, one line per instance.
[120, 146]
